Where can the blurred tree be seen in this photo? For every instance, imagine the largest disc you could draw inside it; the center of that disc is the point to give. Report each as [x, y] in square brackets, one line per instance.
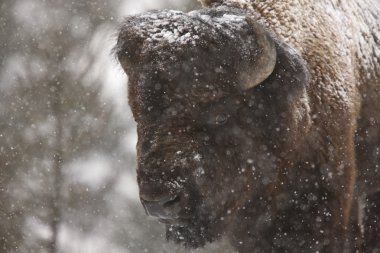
[52, 112]
[10, 232]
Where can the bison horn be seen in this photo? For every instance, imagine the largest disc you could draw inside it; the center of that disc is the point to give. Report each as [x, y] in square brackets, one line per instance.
[264, 61]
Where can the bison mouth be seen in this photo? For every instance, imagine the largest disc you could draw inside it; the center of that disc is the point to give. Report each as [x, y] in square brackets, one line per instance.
[186, 218]
[189, 218]
[196, 228]
[192, 233]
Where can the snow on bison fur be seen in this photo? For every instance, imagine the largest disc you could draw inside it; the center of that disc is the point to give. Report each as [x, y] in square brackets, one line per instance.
[259, 121]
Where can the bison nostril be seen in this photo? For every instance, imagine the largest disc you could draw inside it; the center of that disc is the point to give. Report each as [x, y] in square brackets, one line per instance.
[172, 202]
[163, 208]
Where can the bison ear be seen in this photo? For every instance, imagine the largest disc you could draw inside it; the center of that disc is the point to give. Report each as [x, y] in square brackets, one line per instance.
[129, 43]
[263, 61]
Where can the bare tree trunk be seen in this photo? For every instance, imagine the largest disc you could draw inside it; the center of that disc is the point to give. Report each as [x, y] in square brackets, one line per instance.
[56, 197]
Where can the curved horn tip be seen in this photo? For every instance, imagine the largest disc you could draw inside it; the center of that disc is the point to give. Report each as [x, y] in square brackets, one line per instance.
[265, 61]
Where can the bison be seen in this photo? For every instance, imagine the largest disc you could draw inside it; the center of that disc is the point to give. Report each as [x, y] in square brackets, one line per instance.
[258, 121]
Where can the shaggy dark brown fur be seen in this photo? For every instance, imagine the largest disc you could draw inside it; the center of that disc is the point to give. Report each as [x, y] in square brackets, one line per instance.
[272, 167]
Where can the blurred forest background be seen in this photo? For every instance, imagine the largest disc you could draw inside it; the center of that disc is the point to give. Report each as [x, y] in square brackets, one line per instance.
[67, 138]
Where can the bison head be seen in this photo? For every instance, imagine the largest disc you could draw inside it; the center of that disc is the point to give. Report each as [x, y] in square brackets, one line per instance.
[218, 103]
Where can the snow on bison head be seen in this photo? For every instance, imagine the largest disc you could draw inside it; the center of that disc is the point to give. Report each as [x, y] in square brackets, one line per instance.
[219, 103]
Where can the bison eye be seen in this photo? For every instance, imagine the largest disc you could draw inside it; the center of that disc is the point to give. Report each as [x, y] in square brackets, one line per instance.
[221, 119]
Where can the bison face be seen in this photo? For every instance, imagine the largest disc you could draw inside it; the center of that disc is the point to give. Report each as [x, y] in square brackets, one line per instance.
[213, 114]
